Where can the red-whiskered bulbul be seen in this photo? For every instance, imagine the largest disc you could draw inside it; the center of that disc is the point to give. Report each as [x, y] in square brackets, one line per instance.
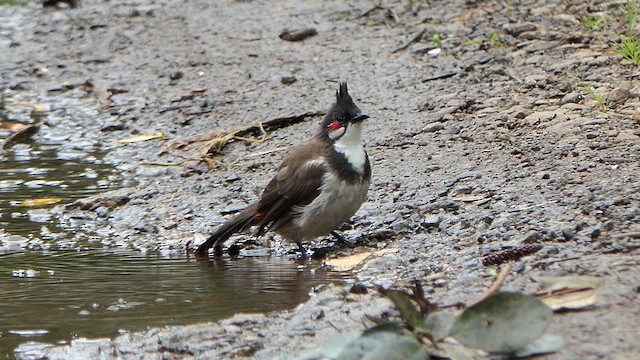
[320, 184]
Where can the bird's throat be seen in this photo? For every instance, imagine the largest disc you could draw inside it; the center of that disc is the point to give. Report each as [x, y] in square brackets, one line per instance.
[351, 147]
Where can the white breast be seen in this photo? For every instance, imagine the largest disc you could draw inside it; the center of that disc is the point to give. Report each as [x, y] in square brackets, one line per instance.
[337, 202]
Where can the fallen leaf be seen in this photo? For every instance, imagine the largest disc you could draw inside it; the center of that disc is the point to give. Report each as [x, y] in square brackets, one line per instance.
[569, 299]
[567, 282]
[469, 198]
[41, 107]
[347, 263]
[451, 349]
[440, 323]
[389, 341]
[568, 292]
[502, 323]
[40, 202]
[134, 139]
[408, 311]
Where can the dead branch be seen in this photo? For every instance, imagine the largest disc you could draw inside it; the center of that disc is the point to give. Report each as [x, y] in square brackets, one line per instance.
[497, 283]
[413, 40]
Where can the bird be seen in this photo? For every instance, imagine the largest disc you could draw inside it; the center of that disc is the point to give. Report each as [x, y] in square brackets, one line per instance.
[319, 185]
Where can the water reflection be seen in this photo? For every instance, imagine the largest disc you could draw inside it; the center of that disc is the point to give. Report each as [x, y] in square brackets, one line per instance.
[39, 171]
[56, 296]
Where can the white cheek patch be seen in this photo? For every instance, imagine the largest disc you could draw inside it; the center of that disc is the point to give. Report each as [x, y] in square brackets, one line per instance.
[334, 134]
[352, 148]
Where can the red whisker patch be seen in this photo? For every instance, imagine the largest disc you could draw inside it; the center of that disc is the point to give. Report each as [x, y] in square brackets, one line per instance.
[335, 125]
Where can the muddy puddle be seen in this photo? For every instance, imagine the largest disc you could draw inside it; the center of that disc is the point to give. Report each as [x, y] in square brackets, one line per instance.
[58, 296]
[75, 291]
[36, 175]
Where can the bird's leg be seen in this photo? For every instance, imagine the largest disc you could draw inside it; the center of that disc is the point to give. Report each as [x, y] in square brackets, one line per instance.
[340, 240]
[217, 250]
[303, 252]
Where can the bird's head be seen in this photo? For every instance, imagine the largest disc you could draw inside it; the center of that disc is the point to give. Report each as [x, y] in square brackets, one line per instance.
[343, 116]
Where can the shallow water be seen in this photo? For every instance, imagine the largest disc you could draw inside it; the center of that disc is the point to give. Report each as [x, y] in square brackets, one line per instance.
[58, 296]
[44, 174]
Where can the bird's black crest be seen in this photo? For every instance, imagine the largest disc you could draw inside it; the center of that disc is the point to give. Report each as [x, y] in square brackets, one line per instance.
[342, 93]
[343, 109]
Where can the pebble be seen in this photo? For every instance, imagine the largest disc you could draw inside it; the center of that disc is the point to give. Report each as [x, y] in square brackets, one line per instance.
[568, 233]
[431, 221]
[433, 127]
[573, 97]
[176, 75]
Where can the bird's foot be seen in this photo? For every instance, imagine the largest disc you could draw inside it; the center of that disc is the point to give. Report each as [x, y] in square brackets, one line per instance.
[303, 252]
[341, 241]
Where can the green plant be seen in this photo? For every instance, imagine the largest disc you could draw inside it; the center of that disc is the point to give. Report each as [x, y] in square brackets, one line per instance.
[13, 3]
[494, 40]
[598, 97]
[592, 21]
[436, 40]
[424, 331]
[629, 46]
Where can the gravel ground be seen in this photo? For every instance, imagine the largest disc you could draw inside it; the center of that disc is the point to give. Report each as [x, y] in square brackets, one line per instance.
[493, 143]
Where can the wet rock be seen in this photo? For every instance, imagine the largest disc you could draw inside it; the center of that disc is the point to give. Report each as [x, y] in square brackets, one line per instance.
[358, 288]
[39, 215]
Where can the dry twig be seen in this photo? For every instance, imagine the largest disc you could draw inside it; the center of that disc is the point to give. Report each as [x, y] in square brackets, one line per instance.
[497, 283]
[413, 40]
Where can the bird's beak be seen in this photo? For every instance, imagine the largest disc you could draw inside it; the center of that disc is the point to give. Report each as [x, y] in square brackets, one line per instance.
[358, 118]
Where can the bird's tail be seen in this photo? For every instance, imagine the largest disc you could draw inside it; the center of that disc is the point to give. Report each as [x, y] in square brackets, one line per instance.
[224, 232]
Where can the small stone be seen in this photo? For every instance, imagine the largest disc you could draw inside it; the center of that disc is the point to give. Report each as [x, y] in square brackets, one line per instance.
[440, 282]
[573, 97]
[234, 250]
[531, 236]
[287, 80]
[518, 29]
[176, 75]
[619, 96]
[84, 313]
[298, 34]
[568, 233]
[358, 288]
[400, 226]
[454, 130]
[113, 127]
[592, 135]
[636, 116]
[431, 221]
[433, 127]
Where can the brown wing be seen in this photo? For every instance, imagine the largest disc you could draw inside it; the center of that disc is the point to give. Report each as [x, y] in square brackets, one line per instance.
[297, 183]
